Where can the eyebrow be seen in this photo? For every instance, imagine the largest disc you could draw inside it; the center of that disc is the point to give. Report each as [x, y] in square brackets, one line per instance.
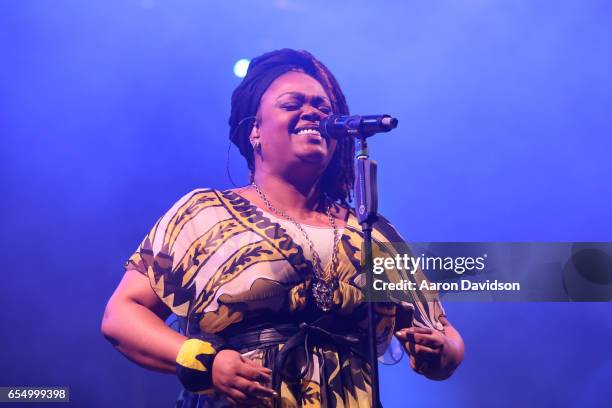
[302, 96]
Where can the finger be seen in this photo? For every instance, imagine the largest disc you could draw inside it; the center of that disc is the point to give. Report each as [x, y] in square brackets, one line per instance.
[231, 401]
[253, 388]
[434, 339]
[435, 336]
[421, 366]
[236, 395]
[414, 329]
[254, 373]
[408, 345]
[411, 331]
[426, 352]
[426, 340]
[254, 364]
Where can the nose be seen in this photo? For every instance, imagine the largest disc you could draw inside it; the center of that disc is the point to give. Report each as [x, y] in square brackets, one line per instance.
[310, 113]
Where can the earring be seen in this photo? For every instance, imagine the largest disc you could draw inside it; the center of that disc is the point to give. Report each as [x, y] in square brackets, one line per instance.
[256, 144]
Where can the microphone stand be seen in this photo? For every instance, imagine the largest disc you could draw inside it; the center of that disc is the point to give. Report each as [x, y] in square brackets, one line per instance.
[366, 205]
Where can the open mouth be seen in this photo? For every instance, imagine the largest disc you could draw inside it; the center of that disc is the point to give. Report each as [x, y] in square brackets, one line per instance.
[308, 131]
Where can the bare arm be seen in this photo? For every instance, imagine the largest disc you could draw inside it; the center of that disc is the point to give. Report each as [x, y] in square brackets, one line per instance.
[134, 323]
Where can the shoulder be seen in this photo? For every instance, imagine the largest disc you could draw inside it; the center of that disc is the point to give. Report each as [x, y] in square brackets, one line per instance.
[386, 228]
[198, 195]
[190, 202]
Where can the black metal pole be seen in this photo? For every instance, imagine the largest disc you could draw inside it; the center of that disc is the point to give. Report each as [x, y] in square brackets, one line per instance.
[366, 205]
[373, 346]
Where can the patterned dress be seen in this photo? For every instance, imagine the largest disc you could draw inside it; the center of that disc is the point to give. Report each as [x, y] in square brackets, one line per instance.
[224, 267]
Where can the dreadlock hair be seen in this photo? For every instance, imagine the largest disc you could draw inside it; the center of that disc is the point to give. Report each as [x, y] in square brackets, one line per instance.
[338, 178]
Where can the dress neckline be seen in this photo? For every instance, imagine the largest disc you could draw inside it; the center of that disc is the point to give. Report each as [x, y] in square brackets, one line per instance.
[344, 231]
[273, 218]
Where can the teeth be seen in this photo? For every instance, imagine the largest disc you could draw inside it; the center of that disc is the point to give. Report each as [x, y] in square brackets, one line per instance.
[308, 131]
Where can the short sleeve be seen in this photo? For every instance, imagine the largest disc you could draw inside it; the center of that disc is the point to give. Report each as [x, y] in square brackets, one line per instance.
[164, 252]
[414, 308]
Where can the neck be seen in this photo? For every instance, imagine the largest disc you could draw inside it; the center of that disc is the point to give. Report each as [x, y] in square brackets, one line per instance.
[301, 197]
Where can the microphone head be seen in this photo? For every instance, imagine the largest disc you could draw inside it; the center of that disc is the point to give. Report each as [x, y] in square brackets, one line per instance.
[388, 122]
[338, 126]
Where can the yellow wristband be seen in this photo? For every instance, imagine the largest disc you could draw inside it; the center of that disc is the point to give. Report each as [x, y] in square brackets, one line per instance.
[194, 365]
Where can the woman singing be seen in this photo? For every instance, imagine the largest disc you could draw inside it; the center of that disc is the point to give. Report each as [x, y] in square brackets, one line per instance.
[266, 279]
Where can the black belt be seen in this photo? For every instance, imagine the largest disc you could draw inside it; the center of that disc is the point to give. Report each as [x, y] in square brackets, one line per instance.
[296, 338]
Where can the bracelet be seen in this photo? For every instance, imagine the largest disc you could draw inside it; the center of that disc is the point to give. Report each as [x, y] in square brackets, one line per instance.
[194, 362]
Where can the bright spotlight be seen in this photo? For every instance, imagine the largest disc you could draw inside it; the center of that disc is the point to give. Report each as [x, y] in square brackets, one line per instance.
[240, 67]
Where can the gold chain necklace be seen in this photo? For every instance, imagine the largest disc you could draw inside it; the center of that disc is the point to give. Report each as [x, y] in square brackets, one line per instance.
[324, 284]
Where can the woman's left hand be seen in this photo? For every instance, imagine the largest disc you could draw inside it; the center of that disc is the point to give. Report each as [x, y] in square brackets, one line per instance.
[424, 346]
[433, 353]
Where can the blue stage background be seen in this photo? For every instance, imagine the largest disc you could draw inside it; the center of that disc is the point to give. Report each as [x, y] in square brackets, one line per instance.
[110, 111]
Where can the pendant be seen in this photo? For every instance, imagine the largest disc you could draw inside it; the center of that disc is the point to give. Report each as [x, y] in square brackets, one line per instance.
[323, 293]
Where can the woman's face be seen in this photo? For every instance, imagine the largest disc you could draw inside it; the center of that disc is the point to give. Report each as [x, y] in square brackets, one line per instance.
[288, 121]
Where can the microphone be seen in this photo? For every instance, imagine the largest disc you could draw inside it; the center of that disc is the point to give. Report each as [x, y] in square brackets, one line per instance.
[343, 125]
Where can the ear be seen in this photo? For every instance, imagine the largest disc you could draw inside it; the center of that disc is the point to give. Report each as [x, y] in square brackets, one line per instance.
[254, 136]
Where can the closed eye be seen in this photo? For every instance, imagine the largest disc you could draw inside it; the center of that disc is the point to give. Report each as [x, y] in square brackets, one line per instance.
[291, 106]
[325, 109]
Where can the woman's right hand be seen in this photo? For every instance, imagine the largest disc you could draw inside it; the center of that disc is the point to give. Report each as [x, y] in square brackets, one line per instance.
[240, 379]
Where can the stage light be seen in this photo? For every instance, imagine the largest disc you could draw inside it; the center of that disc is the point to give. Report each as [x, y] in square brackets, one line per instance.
[240, 67]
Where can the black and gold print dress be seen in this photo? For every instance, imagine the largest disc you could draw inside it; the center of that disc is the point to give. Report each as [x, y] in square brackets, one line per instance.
[224, 267]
